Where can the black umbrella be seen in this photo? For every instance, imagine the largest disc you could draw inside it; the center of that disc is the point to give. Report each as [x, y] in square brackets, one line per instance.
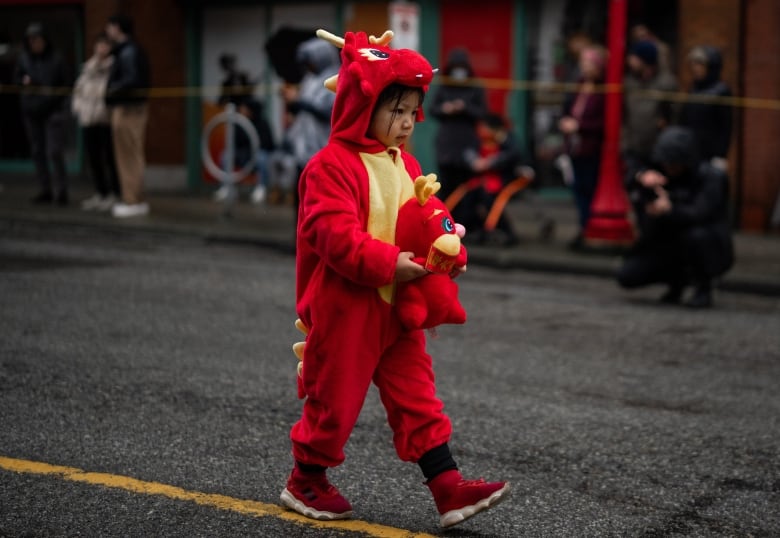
[281, 49]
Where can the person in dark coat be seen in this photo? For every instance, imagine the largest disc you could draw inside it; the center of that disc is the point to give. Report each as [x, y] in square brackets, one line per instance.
[236, 86]
[644, 116]
[253, 110]
[710, 122]
[682, 214]
[42, 73]
[457, 105]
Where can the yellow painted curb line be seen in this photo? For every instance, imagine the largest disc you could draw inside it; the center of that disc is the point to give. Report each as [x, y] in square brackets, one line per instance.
[221, 502]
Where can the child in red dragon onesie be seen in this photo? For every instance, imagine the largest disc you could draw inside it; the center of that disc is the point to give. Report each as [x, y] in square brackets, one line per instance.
[347, 268]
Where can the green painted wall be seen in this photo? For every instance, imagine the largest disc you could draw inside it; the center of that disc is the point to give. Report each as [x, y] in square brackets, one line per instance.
[422, 143]
[518, 99]
[193, 119]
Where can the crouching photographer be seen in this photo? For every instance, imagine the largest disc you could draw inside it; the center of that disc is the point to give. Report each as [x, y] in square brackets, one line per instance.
[681, 206]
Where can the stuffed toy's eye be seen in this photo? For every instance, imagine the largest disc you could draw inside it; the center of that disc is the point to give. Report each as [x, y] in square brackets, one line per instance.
[374, 54]
[447, 225]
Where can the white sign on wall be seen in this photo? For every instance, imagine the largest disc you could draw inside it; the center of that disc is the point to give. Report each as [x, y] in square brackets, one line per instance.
[405, 24]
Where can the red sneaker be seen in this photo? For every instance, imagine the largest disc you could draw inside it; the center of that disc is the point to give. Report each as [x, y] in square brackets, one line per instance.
[458, 499]
[313, 496]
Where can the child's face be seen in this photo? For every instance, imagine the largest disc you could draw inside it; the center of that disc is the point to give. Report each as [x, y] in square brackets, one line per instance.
[393, 122]
[485, 132]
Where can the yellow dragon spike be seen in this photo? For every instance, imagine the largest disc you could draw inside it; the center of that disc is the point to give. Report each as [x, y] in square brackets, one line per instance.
[425, 187]
[301, 327]
[382, 40]
[298, 347]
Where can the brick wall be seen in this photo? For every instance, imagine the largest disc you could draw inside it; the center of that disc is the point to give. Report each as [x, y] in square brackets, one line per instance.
[761, 127]
[709, 22]
[159, 28]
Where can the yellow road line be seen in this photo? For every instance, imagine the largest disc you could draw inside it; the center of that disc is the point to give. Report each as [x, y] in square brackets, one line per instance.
[221, 502]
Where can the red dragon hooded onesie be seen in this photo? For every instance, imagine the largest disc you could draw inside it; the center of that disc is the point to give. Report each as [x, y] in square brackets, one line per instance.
[351, 192]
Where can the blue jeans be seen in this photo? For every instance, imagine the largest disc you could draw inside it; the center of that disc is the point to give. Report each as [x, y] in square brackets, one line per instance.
[586, 177]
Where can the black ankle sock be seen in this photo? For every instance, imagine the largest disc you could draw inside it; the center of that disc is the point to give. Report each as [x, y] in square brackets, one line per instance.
[309, 469]
[436, 461]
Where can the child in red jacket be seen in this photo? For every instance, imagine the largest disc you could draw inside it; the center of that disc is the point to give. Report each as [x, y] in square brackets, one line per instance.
[347, 266]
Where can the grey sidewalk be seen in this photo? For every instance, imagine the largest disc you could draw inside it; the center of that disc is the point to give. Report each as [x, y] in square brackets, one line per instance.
[757, 269]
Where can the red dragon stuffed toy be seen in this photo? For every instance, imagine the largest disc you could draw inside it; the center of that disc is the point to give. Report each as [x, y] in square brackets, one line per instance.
[426, 228]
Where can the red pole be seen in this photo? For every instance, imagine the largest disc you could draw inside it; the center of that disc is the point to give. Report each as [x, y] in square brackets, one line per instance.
[608, 222]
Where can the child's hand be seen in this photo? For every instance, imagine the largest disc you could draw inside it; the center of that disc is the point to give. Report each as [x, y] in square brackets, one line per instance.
[568, 125]
[457, 271]
[480, 164]
[407, 269]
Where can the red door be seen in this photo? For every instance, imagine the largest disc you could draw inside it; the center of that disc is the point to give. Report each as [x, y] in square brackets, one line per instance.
[484, 29]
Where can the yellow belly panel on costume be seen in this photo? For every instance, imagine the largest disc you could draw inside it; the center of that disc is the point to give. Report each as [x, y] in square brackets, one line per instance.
[389, 187]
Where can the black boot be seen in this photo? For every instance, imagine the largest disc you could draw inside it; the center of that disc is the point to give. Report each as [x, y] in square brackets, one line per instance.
[702, 296]
[673, 295]
[43, 197]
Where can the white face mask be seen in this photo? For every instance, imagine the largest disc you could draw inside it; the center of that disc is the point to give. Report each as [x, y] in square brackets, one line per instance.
[460, 73]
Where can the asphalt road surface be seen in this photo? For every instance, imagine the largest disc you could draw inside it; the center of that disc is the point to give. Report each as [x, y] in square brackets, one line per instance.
[147, 388]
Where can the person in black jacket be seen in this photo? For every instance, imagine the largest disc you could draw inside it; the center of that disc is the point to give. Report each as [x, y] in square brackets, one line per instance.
[236, 86]
[710, 122]
[457, 105]
[42, 73]
[126, 95]
[682, 214]
[253, 110]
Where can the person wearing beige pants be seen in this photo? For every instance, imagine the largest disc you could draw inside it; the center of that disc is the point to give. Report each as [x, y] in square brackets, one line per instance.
[126, 95]
[128, 127]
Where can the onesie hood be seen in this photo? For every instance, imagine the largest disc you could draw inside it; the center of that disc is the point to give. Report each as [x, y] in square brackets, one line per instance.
[368, 66]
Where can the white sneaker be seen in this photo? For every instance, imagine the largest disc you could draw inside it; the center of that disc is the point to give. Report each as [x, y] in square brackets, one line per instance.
[123, 210]
[221, 193]
[92, 203]
[107, 202]
[258, 194]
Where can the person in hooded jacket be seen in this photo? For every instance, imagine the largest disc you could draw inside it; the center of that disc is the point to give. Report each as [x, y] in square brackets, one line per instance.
[42, 73]
[458, 105]
[710, 122]
[309, 104]
[682, 214]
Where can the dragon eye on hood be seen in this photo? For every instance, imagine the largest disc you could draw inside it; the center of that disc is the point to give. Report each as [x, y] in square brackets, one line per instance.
[374, 54]
[447, 225]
